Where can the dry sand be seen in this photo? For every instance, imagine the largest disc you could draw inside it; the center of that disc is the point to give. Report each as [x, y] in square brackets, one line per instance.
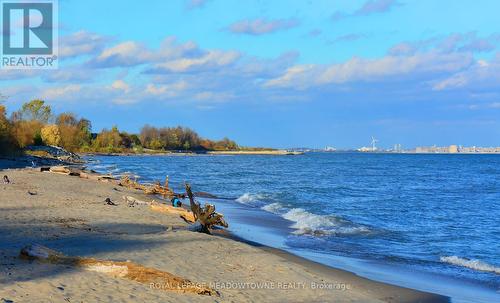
[69, 214]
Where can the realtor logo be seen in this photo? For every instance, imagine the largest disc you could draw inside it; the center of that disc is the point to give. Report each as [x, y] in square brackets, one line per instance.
[29, 34]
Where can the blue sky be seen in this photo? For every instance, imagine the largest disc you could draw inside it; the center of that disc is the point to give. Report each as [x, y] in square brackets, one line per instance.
[279, 73]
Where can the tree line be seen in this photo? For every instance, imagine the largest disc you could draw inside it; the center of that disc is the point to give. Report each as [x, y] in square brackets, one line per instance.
[35, 124]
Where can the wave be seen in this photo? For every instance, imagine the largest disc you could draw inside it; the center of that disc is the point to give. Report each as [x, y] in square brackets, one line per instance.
[304, 222]
[313, 224]
[470, 263]
[275, 208]
[248, 198]
[100, 166]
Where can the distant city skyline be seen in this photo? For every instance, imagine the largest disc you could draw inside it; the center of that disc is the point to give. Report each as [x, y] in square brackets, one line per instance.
[453, 148]
[279, 73]
[398, 146]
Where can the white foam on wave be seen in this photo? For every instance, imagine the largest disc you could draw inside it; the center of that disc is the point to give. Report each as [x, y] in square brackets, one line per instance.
[305, 222]
[275, 208]
[248, 198]
[470, 263]
[100, 166]
[309, 223]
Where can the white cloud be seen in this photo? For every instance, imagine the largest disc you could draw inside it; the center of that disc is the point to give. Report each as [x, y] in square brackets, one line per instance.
[382, 69]
[167, 90]
[370, 7]
[81, 43]
[131, 53]
[483, 75]
[121, 85]
[127, 53]
[56, 93]
[456, 42]
[297, 74]
[261, 26]
[455, 81]
[211, 59]
[183, 72]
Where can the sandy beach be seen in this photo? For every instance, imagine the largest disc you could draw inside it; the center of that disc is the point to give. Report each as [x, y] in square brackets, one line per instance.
[69, 214]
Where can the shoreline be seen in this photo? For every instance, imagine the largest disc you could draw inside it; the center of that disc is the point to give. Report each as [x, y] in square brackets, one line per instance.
[263, 152]
[410, 294]
[361, 287]
[211, 153]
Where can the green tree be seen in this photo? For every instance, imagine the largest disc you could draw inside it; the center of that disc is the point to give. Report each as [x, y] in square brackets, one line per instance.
[35, 110]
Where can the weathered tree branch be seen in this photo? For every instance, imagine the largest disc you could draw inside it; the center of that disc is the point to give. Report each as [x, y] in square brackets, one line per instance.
[126, 270]
[206, 217]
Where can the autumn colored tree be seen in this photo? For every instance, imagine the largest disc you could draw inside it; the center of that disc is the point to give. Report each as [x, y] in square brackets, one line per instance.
[28, 122]
[51, 135]
[108, 141]
[35, 110]
[30, 126]
[225, 144]
[75, 134]
[170, 138]
[147, 135]
[7, 141]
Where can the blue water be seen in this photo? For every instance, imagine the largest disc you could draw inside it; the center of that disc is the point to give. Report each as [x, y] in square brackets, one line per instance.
[430, 222]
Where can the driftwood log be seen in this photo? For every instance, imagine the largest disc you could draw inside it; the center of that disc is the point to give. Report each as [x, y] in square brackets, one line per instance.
[155, 189]
[65, 170]
[126, 270]
[185, 214]
[206, 217]
[60, 170]
[73, 171]
[90, 176]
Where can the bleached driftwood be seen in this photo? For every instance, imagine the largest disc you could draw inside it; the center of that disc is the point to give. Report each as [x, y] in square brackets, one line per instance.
[183, 213]
[65, 170]
[126, 270]
[206, 216]
[163, 208]
[60, 170]
[72, 171]
[107, 178]
[90, 176]
[155, 189]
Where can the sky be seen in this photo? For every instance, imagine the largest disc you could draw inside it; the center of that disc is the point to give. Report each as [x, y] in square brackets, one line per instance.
[279, 73]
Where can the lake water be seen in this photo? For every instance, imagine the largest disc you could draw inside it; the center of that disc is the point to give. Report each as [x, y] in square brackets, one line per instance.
[430, 222]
